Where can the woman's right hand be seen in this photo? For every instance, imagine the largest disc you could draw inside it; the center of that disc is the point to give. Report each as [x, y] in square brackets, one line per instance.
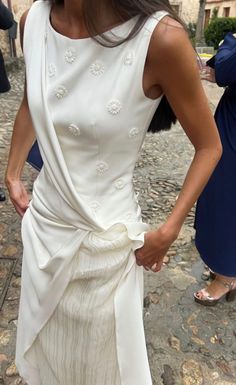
[18, 196]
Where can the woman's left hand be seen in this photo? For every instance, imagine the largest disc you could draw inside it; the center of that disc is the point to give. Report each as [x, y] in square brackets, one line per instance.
[156, 245]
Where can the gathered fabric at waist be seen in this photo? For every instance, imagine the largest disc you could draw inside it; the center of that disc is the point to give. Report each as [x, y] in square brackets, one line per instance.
[102, 254]
[104, 210]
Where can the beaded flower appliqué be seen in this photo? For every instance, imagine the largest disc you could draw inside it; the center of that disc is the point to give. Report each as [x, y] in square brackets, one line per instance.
[74, 130]
[129, 58]
[102, 168]
[97, 68]
[119, 184]
[114, 107]
[52, 70]
[95, 206]
[134, 133]
[70, 55]
[61, 92]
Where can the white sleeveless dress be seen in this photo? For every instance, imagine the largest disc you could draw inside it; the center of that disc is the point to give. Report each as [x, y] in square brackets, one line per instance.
[80, 319]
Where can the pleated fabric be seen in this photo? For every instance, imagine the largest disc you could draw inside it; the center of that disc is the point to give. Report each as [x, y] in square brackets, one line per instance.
[78, 344]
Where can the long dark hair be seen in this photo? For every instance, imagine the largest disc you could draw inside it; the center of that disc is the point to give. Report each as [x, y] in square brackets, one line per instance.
[164, 116]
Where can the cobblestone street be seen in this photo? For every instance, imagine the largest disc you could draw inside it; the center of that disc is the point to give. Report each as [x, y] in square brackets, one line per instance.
[188, 344]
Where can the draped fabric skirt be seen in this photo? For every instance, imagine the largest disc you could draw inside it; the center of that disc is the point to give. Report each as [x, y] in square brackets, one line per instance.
[77, 346]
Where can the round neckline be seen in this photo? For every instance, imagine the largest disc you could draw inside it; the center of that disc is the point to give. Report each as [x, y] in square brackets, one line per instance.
[89, 38]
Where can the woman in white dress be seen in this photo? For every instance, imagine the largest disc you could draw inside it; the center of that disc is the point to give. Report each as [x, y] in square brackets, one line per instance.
[96, 72]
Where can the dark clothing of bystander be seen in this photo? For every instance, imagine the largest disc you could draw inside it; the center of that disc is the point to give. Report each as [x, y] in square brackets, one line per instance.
[6, 22]
[216, 207]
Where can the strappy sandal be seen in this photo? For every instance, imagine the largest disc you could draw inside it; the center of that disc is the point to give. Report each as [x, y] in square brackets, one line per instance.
[207, 300]
[212, 274]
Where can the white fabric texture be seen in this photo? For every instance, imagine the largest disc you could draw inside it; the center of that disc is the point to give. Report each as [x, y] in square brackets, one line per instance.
[80, 319]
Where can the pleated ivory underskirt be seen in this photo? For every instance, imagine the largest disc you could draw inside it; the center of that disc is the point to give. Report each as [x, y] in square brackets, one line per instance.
[77, 346]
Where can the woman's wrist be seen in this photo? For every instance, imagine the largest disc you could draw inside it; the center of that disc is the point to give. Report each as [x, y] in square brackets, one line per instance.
[170, 230]
[11, 179]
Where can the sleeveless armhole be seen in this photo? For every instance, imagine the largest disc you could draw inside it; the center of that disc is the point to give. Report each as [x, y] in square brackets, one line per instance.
[147, 32]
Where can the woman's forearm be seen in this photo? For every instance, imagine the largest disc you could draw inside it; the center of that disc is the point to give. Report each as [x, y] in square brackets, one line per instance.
[201, 168]
[22, 140]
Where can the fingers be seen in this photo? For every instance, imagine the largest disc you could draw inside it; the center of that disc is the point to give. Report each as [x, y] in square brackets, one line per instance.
[145, 261]
[19, 197]
[151, 255]
[151, 262]
[20, 208]
[154, 264]
[20, 204]
[157, 267]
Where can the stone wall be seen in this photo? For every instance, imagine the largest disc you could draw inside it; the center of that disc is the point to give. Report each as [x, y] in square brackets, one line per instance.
[187, 9]
[18, 7]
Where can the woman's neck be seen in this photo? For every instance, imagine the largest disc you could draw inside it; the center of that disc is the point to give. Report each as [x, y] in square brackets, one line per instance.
[69, 19]
[72, 10]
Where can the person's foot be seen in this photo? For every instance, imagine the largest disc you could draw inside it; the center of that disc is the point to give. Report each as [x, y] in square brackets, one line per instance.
[2, 195]
[216, 290]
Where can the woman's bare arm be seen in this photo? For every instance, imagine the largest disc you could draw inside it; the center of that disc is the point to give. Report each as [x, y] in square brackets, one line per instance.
[22, 139]
[172, 66]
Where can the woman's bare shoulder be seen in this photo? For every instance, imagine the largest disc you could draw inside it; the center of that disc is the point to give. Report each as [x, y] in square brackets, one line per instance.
[169, 36]
[170, 44]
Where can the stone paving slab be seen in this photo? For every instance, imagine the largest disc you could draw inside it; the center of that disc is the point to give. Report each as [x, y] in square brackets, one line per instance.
[187, 344]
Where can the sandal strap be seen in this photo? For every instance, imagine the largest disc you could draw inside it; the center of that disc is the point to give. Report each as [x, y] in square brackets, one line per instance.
[227, 284]
[205, 295]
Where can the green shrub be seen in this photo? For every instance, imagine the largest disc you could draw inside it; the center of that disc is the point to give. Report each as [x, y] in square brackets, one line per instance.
[192, 30]
[214, 13]
[218, 28]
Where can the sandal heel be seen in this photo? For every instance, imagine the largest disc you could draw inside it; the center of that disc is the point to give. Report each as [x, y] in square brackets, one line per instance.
[231, 295]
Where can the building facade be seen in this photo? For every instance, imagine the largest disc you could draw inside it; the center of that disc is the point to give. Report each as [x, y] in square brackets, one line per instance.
[186, 9]
[221, 8]
[17, 7]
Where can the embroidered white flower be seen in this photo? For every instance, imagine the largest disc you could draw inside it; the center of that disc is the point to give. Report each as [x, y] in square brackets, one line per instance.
[52, 70]
[119, 184]
[114, 107]
[97, 68]
[74, 130]
[129, 58]
[102, 168]
[129, 217]
[134, 133]
[70, 55]
[95, 206]
[61, 92]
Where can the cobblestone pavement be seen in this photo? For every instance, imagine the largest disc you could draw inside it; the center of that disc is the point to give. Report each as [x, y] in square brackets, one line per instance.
[187, 343]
